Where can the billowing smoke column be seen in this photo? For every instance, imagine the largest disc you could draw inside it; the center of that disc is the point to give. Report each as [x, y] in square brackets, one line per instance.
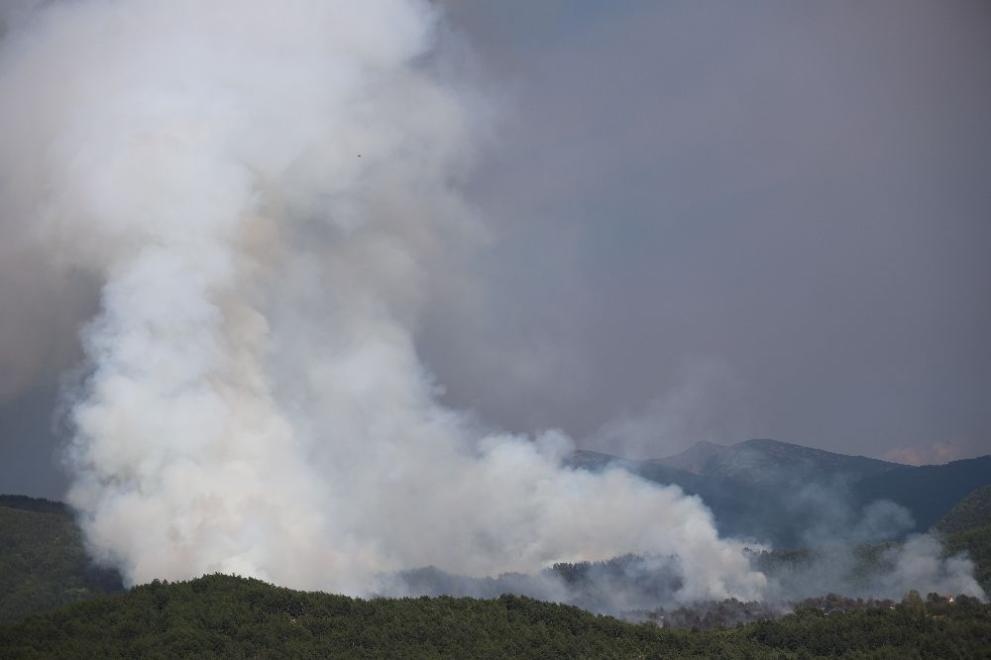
[265, 190]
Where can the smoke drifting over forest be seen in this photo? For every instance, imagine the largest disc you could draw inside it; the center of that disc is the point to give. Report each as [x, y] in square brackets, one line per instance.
[262, 189]
[265, 193]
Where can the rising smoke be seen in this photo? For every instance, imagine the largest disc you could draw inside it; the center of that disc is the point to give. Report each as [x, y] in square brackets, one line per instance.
[265, 192]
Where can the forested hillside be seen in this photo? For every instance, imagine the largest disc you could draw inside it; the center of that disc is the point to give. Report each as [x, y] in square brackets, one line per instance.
[969, 513]
[929, 492]
[977, 544]
[221, 616]
[967, 528]
[54, 603]
[43, 563]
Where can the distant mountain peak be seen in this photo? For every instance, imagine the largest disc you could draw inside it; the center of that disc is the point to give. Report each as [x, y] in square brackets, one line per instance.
[754, 459]
[695, 458]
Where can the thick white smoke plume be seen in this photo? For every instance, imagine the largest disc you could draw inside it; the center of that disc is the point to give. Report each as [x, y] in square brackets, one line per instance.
[266, 189]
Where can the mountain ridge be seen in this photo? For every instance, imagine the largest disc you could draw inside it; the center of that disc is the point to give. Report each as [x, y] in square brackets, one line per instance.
[743, 459]
[777, 492]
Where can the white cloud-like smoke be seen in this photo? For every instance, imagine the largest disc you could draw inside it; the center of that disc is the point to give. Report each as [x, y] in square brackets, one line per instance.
[265, 190]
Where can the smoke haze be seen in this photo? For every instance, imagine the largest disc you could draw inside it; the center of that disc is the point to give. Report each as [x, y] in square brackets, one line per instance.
[264, 191]
[253, 202]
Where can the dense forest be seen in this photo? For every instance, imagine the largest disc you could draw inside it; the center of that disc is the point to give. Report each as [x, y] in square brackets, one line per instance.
[967, 528]
[45, 574]
[43, 562]
[969, 513]
[976, 543]
[224, 616]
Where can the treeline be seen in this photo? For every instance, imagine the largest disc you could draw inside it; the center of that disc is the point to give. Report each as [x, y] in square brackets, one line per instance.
[43, 562]
[223, 616]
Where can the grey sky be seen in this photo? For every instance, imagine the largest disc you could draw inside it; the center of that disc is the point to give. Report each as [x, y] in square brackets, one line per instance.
[709, 220]
[720, 220]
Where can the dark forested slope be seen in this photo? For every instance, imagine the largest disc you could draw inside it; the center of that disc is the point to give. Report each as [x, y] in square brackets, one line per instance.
[928, 491]
[969, 513]
[967, 528]
[220, 616]
[43, 563]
